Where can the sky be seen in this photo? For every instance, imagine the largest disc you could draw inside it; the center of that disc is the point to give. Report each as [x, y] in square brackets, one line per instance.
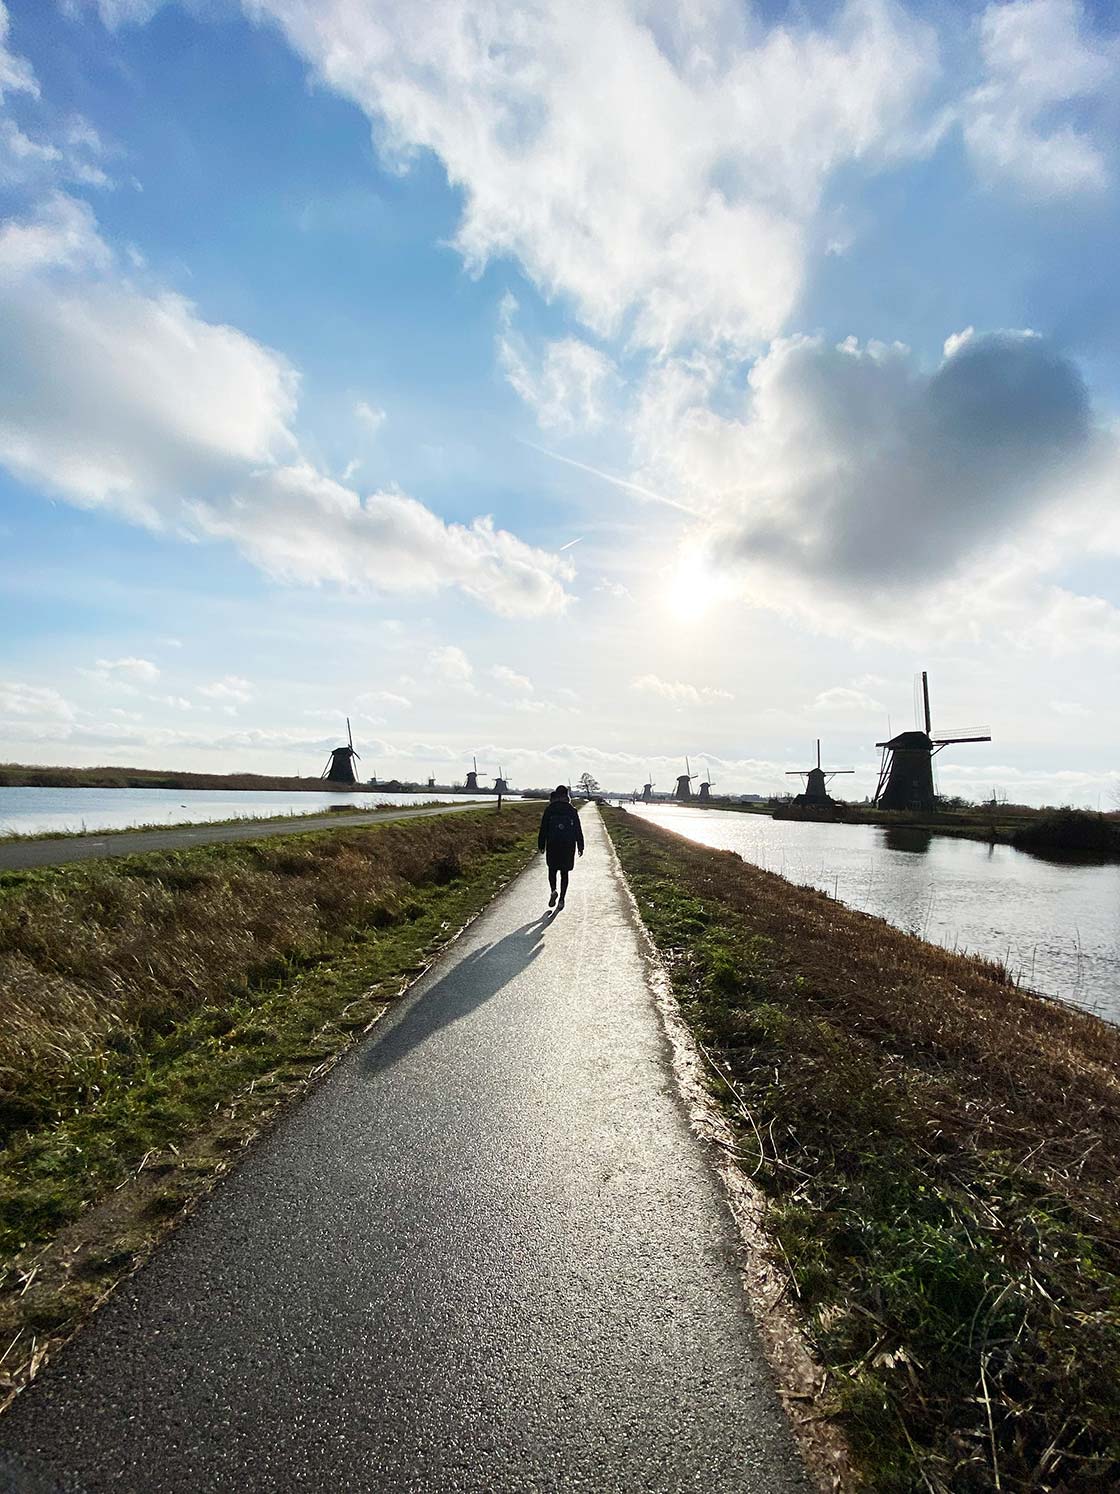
[576, 384]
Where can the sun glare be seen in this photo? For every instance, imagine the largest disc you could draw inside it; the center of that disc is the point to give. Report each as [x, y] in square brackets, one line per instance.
[693, 589]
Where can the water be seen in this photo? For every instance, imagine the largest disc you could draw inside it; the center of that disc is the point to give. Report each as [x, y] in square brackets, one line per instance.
[1055, 926]
[38, 811]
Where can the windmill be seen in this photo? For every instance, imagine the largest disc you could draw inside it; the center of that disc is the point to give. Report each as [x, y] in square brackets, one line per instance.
[683, 789]
[906, 772]
[647, 790]
[340, 768]
[706, 786]
[500, 785]
[471, 785]
[816, 780]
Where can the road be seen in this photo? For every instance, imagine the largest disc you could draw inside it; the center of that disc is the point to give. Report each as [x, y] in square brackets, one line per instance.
[20, 855]
[486, 1254]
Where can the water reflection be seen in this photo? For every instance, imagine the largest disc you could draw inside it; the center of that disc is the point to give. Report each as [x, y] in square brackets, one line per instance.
[907, 838]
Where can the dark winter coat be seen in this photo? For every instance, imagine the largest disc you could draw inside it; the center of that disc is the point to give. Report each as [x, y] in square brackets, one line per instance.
[560, 835]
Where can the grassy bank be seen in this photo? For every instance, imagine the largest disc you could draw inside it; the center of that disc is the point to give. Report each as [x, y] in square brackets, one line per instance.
[154, 1009]
[29, 775]
[940, 1152]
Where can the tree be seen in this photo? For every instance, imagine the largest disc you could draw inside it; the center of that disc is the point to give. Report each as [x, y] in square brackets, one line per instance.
[587, 787]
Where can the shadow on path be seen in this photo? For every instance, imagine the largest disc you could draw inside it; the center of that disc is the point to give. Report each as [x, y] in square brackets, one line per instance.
[470, 982]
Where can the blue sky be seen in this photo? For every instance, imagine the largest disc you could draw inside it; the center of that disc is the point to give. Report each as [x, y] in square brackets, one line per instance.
[575, 385]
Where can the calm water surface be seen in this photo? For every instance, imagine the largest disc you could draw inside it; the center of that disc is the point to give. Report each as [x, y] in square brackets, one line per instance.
[1055, 926]
[36, 811]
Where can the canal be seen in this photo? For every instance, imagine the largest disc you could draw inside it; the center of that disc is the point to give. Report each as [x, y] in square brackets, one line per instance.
[1055, 926]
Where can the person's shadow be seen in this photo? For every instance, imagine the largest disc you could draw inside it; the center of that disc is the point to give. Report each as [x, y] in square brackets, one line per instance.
[469, 983]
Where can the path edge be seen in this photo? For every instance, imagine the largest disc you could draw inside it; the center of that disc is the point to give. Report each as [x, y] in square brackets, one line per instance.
[801, 1381]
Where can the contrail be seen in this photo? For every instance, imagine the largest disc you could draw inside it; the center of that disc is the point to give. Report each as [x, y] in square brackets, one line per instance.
[618, 482]
[569, 545]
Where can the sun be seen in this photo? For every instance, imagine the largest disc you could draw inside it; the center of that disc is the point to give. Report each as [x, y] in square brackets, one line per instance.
[693, 589]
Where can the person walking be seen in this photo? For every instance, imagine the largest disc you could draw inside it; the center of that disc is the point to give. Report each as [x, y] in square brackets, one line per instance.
[561, 834]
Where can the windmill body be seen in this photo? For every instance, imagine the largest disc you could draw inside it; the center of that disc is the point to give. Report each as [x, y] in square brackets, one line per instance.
[683, 790]
[815, 792]
[471, 785]
[706, 786]
[500, 785]
[339, 771]
[647, 790]
[906, 774]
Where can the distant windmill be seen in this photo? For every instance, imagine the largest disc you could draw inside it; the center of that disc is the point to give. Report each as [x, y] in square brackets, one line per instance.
[340, 769]
[706, 786]
[500, 785]
[471, 785]
[816, 780]
[906, 773]
[683, 789]
[647, 789]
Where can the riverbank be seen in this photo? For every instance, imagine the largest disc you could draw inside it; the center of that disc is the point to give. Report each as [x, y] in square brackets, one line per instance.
[25, 775]
[938, 1150]
[157, 1009]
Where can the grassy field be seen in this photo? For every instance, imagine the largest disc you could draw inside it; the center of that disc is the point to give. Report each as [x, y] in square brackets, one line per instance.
[939, 1151]
[154, 1010]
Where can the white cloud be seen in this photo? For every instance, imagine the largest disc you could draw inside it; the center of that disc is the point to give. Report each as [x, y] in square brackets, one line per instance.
[659, 169]
[16, 75]
[32, 702]
[230, 687]
[565, 386]
[135, 671]
[451, 666]
[1037, 60]
[371, 416]
[110, 396]
[299, 525]
[384, 698]
[842, 701]
[678, 692]
[62, 235]
[520, 683]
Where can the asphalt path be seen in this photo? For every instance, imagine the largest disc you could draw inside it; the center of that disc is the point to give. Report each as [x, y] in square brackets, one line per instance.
[485, 1254]
[20, 855]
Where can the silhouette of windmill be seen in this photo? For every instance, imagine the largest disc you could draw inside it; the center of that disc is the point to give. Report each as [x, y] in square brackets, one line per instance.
[500, 785]
[706, 786]
[340, 767]
[471, 785]
[683, 789]
[816, 780]
[647, 790]
[906, 772]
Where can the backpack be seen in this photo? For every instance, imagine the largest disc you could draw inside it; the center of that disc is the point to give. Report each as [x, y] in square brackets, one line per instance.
[562, 825]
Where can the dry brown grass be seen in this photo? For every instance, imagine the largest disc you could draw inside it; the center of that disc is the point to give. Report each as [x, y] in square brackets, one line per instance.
[96, 958]
[941, 1151]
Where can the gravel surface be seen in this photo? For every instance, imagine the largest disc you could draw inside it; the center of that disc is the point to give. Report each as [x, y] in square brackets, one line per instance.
[486, 1254]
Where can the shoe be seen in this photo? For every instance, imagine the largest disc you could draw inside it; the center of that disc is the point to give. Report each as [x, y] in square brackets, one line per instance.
[559, 905]
[552, 899]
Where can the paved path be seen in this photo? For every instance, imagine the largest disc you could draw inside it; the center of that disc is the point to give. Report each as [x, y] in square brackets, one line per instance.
[19, 855]
[486, 1254]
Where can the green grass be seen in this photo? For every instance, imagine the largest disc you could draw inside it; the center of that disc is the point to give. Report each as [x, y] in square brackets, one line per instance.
[153, 1009]
[939, 1151]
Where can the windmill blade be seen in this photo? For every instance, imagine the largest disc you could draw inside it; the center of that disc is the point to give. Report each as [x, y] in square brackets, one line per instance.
[349, 734]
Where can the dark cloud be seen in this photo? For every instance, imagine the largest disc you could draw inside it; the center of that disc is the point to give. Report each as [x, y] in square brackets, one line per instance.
[872, 473]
